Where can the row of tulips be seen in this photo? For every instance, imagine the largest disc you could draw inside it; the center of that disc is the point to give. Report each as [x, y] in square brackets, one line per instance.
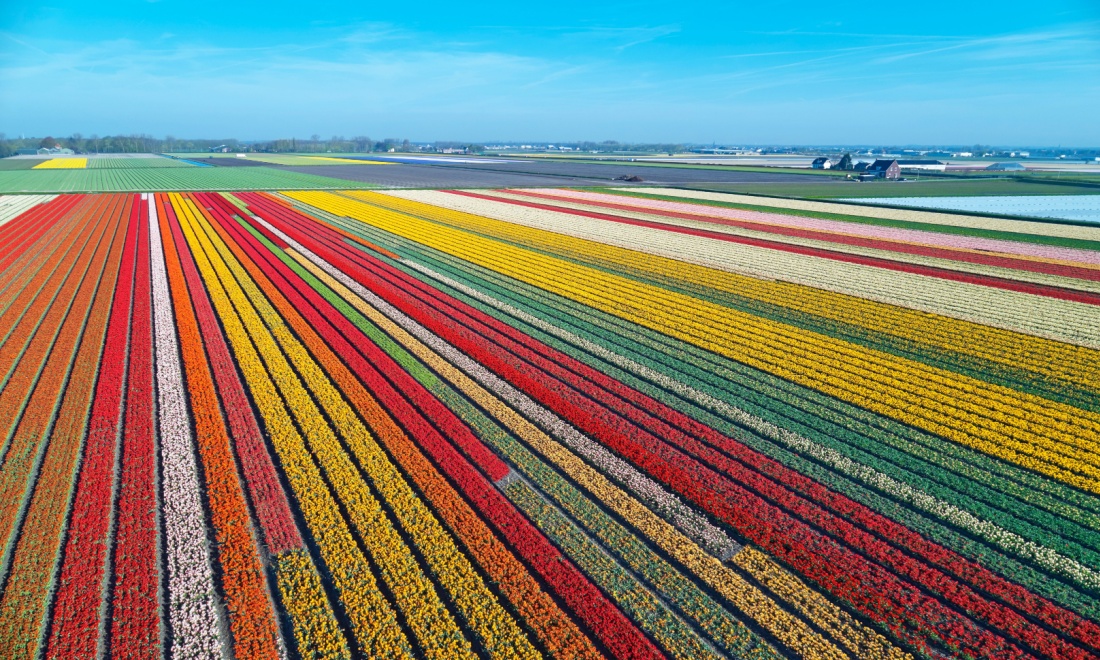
[252, 620]
[1036, 356]
[16, 207]
[488, 359]
[41, 295]
[470, 414]
[28, 583]
[135, 629]
[192, 603]
[551, 625]
[1018, 230]
[1063, 274]
[23, 240]
[451, 569]
[688, 257]
[37, 380]
[372, 623]
[75, 620]
[712, 573]
[579, 594]
[716, 215]
[700, 379]
[1037, 433]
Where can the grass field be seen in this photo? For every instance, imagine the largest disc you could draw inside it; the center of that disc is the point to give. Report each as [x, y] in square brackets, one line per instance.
[108, 162]
[151, 179]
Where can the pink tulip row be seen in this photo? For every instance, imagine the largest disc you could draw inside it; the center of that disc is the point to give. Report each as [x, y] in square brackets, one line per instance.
[192, 612]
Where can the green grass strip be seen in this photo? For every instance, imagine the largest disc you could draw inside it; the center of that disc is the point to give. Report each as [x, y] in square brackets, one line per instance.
[167, 179]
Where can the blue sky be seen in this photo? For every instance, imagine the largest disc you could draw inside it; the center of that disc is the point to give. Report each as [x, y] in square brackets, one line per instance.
[765, 72]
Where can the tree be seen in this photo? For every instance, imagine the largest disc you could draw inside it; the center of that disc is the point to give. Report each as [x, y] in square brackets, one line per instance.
[47, 143]
[845, 162]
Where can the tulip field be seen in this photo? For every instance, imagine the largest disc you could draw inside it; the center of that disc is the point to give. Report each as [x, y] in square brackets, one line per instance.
[562, 423]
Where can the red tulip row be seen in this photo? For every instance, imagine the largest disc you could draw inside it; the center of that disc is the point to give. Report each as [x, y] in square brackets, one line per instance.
[75, 628]
[888, 264]
[614, 428]
[135, 606]
[604, 620]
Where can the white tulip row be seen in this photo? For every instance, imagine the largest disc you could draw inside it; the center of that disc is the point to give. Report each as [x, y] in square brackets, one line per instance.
[196, 627]
[822, 244]
[664, 503]
[1061, 320]
[929, 217]
[12, 206]
[948, 513]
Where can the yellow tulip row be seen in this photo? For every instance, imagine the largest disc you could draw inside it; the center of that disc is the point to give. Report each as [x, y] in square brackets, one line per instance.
[1066, 362]
[373, 621]
[1053, 438]
[429, 618]
[62, 164]
[301, 593]
[743, 596]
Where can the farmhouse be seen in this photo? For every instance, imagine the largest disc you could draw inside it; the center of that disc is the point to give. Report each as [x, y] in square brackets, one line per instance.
[821, 163]
[884, 169]
[922, 164]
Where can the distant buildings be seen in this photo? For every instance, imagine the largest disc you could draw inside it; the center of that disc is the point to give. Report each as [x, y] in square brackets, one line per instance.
[821, 163]
[882, 169]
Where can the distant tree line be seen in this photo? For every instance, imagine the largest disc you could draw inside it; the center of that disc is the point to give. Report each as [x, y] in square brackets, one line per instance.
[614, 145]
[141, 143]
[335, 144]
